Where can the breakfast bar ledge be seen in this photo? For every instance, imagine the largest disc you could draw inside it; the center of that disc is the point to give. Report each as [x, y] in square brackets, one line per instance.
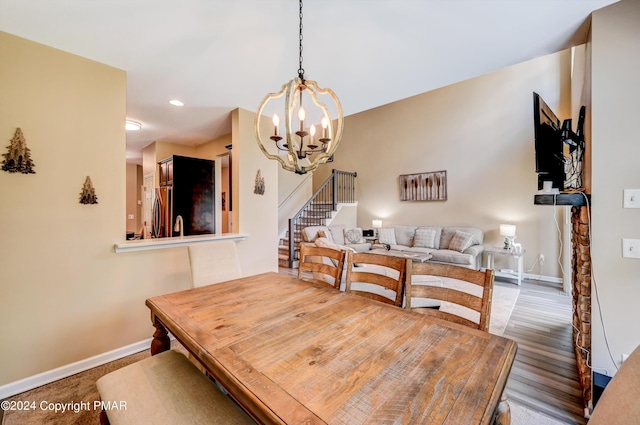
[160, 243]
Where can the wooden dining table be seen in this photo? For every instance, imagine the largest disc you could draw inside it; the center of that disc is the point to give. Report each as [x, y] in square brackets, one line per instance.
[293, 352]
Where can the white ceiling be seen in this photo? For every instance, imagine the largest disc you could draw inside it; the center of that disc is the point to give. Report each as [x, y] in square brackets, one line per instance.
[216, 55]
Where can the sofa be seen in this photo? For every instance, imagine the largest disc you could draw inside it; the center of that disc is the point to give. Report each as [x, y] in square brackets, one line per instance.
[339, 234]
[459, 245]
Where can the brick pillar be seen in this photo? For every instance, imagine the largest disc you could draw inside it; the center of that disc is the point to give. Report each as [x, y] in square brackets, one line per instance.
[581, 286]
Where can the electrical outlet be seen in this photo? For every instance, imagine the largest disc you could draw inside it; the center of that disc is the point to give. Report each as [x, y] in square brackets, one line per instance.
[541, 258]
[631, 248]
[631, 198]
[130, 216]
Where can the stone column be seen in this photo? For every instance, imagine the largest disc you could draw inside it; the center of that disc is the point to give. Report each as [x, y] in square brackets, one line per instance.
[581, 287]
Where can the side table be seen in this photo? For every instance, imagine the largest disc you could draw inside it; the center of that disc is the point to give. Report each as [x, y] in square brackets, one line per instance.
[496, 250]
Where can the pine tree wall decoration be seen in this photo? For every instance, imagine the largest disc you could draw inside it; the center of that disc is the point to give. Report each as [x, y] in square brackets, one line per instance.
[259, 188]
[18, 156]
[88, 194]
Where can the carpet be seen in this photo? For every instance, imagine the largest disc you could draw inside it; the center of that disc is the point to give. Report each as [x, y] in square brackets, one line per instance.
[81, 388]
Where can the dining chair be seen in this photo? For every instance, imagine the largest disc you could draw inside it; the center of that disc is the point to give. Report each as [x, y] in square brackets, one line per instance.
[326, 264]
[213, 262]
[379, 277]
[618, 404]
[475, 295]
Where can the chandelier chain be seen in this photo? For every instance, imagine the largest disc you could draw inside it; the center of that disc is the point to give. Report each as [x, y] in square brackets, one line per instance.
[300, 68]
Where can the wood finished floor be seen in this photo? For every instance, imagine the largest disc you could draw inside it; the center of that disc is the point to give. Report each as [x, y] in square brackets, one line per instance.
[544, 376]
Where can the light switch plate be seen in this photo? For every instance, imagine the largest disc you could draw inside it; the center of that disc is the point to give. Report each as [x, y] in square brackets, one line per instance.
[631, 248]
[631, 198]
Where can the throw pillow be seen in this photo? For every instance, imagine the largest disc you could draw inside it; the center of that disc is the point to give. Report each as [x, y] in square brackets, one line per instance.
[323, 234]
[353, 235]
[386, 235]
[425, 238]
[461, 241]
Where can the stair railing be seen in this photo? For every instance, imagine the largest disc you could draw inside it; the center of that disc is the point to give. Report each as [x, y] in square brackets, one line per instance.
[338, 188]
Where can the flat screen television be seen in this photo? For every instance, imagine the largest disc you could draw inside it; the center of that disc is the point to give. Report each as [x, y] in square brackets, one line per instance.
[550, 161]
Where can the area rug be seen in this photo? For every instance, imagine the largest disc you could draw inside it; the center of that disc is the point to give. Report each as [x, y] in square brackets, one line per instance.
[502, 303]
[521, 415]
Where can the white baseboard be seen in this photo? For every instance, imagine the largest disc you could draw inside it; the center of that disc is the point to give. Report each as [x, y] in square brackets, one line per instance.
[542, 277]
[40, 379]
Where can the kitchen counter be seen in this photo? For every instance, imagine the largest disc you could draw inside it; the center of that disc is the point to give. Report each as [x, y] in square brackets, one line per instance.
[160, 243]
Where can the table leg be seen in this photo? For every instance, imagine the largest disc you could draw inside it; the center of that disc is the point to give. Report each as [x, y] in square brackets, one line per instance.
[503, 412]
[161, 340]
[520, 267]
[489, 260]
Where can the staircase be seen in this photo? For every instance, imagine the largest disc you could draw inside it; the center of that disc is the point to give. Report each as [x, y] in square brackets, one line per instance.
[318, 211]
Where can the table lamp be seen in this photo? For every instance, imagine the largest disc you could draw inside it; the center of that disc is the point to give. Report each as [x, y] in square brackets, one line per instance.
[509, 233]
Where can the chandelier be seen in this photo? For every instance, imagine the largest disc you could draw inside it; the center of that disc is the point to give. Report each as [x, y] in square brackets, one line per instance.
[301, 148]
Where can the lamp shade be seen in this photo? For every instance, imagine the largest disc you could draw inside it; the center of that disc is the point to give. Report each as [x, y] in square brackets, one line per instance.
[507, 230]
[376, 224]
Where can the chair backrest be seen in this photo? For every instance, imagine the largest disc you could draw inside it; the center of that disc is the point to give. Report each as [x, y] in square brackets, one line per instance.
[328, 272]
[375, 276]
[213, 262]
[477, 299]
[619, 404]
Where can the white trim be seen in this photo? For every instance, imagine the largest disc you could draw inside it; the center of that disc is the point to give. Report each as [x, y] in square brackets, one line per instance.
[173, 242]
[47, 377]
[530, 276]
[552, 279]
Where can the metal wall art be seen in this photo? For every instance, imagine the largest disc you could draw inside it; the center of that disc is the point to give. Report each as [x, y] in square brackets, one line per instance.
[88, 194]
[259, 188]
[18, 156]
[431, 186]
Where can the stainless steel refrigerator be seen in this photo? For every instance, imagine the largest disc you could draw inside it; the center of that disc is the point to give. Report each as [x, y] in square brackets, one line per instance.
[187, 191]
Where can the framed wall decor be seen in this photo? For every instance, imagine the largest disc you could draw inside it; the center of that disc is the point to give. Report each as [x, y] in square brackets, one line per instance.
[431, 186]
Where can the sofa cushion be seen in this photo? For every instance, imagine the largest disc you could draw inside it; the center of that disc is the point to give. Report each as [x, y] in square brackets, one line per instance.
[386, 235]
[448, 232]
[461, 241]
[419, 250]
[360, 247]
[337, 233]
[425, 237]
[353, 236]
[404, 234]
[453, 257]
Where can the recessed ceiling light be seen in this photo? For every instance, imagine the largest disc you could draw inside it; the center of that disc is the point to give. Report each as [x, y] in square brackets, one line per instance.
[132, 125]
[176, 102]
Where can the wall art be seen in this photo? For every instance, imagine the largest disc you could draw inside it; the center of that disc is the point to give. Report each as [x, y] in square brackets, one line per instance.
[18, 156]
[259, 188]
[88, 194]
[431, 186]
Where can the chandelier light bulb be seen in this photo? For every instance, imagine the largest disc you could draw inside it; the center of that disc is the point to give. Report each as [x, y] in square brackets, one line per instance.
[276, 123]
[325, 124]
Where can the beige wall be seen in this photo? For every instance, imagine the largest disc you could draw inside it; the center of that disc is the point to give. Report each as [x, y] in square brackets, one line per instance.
[616, 149]
[254, 214]
[481, 132]
[66, 296]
